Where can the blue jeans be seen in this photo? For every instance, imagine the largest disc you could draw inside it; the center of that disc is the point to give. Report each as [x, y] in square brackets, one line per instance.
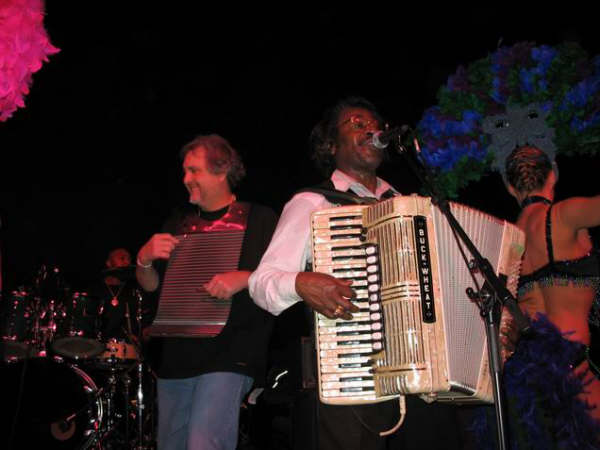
[200, 413]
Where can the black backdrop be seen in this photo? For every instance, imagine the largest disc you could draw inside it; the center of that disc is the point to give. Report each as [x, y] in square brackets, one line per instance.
[91, 162]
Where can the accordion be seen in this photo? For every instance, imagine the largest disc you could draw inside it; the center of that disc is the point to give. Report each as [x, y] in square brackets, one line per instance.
[417, 332]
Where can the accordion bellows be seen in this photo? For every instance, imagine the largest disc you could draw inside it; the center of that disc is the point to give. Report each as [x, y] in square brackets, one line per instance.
[417, 332]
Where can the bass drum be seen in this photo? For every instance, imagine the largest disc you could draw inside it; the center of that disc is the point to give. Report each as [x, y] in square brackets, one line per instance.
[49, 404]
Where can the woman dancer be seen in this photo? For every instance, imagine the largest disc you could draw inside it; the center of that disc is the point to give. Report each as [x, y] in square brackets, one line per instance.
[550, 377]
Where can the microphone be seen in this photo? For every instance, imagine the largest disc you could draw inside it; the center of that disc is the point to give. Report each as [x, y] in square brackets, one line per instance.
[381, 139]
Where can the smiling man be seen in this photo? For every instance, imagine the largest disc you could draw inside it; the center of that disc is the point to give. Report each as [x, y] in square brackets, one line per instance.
[202, 380]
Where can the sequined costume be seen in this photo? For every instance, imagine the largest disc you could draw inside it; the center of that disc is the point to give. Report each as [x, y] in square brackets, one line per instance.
[580, 272]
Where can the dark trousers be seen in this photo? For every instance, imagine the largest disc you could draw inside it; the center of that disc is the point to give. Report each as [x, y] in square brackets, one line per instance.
[355, 427]
[326, 427]
[426, 426]
[432, 426]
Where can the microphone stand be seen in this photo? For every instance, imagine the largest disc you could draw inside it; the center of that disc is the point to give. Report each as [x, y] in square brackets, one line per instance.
[490, 299]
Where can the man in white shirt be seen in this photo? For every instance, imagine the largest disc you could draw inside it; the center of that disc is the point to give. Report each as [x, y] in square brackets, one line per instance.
[281, 280]
[341, 145]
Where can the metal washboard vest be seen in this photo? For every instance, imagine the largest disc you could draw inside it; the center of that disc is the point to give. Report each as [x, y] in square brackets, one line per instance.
[206, 248]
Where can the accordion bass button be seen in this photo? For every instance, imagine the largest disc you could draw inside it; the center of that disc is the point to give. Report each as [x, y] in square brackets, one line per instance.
[373, 259]
[371, 249]
[373, 288]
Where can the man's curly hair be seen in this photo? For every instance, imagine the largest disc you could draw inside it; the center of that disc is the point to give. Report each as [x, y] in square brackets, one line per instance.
[325, 133]
[221, 157]
[527, 168]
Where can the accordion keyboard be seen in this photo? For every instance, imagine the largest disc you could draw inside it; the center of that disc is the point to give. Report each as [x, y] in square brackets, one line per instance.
[346, 347]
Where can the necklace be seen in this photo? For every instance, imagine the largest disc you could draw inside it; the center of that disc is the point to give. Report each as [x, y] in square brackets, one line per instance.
[114, 301]
[535, 199]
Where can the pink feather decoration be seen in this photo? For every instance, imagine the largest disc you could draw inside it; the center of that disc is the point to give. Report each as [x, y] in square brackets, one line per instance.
[24, 45]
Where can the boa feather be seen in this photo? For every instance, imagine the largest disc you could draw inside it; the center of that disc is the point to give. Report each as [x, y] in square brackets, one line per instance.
[24, 46]
[544, 411]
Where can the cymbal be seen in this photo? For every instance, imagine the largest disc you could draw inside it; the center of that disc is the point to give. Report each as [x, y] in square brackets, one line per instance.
[122, 273]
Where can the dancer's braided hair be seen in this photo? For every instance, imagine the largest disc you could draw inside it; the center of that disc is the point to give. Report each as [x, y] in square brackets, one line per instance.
[527, 168]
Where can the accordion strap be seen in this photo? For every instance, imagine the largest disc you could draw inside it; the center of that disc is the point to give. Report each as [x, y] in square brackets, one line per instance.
[327, 190]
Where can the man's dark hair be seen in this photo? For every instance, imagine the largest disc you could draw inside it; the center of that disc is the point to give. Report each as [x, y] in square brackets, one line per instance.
[325, 133]
[221, 157]
[118, 249]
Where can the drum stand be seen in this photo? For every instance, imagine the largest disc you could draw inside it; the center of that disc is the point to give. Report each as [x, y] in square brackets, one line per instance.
[140, 403]
[111, 401]
[118, 430]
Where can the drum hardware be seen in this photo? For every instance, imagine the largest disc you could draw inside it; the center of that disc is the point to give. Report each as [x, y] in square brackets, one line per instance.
[77, 348]
[126, 384]
[48, 307]
[46, 324]
[73, 342]
[117, 355]
[121, 411]
[14, 309]
[116, 364]
[64, 428]
[97, 414]
[111, 413]
[34, 315]
[13, 351]
[15, 326]
[140, 405]
[49, 283]
[121, 357]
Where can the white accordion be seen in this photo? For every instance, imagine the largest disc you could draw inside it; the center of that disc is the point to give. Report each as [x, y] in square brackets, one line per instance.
[417, 332]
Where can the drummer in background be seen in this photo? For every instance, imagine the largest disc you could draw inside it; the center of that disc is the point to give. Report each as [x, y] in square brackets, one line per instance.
[116, 299]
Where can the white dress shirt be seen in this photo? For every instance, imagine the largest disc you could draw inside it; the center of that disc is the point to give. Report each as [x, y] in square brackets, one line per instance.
[272, 284]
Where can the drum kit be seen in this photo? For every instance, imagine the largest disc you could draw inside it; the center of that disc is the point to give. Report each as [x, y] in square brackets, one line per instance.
[64, 386]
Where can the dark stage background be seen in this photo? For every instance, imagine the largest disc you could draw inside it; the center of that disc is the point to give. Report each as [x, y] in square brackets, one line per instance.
[91, 162]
